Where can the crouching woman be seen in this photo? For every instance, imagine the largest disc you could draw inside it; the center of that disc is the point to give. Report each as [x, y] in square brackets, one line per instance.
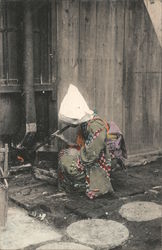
[87, 167]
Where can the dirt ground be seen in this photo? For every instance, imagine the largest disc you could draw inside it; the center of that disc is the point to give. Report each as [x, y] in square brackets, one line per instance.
[44, 202]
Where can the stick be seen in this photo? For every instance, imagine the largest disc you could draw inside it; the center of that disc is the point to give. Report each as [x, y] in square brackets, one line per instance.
[20, 168]
[52, 136]
[50, 180]
[6, 161]
[50, 173]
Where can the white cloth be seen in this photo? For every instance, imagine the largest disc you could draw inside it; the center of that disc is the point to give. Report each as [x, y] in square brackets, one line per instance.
[74, 109]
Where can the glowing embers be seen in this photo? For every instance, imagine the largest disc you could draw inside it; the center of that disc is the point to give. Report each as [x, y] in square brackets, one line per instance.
[99, 232]
[141, 211]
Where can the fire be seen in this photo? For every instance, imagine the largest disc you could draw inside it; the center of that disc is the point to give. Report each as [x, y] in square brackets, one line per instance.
[21, 159]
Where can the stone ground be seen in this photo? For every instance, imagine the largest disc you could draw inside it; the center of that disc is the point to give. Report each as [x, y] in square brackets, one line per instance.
[59, 210]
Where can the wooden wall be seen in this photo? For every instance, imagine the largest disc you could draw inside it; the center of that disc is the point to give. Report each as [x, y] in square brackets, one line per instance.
[143, 81]
[110, 51]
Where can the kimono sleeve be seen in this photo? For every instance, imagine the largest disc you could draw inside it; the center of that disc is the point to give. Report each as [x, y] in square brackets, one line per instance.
[94, 144]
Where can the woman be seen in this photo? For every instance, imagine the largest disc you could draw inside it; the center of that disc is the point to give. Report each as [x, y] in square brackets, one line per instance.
[87, 167]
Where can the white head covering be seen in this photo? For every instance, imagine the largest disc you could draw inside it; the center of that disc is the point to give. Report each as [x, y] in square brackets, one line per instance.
[74, 109]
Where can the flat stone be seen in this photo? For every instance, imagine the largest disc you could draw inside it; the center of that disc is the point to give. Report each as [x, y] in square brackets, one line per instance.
[64, 246]
[22, 231]
[99, 233]
[141, 211]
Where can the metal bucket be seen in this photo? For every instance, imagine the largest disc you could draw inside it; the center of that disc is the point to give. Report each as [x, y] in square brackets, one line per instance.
[3, 200]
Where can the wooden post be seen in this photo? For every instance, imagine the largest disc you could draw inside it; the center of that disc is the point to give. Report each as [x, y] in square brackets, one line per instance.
[6, 161]
[28, 65]
[3, 187]
[30, 109]
[28, 70]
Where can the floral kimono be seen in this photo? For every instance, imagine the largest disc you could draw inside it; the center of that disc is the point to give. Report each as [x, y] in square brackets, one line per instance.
[87, 168]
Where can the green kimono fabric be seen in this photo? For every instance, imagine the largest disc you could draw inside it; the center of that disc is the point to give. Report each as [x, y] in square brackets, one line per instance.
[87, 169]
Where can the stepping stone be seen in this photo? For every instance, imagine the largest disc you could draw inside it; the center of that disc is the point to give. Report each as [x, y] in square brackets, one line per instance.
[64, 246]
[22, 231]
[98, 233]
[141, 211]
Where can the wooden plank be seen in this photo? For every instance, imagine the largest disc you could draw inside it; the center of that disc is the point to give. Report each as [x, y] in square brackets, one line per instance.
[39, 174]
[103, 58]
[67, 48]
[109, 59]
[10, 89]
[53, 112]
[1, 15]
[50, 173]
[3, 200]
[6, 161]
[10, 115]
[67, 40]
[14, 44]
[42, 114]
[21, 168]
[132, 84]
[87, 47]
[36, 46]
[142, 80]
[13, 55]
[1, 56]
[3, 206]
[2, 41]
[30, 110]
[151, 110]
[43, 87]
[152, 87]
[44, 42]
[118, 65]
[31, 186]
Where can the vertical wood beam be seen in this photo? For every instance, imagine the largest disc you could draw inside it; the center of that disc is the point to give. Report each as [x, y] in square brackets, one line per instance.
[28, 69]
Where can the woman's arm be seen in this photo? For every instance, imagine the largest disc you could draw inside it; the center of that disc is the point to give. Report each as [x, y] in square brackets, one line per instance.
[94, 143]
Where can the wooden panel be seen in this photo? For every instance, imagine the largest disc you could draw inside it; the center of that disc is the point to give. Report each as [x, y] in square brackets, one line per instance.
[67, 40]
[142, 80]
[3, 206]
[45, 43]
[67, 47]
[53, 112]
[42, 41]
[10, 115]
[36, 51]
[14, 37]
[1, 42]
[109, 59]
[110, 50]
[1, 55]
[10, 24]
[1, 15]
[87, 51]
[95, 45]
[42, 114]
[13, 55]
[151, 110]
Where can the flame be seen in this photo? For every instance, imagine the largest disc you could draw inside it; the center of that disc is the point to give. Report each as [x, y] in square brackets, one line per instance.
[21, 159]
